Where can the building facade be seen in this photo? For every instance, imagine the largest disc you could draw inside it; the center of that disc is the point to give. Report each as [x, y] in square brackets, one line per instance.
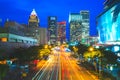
[75, 26]
[86, 25]
[79, 27]
[33, 19]
[12, 36]
[43, 36]
[15, 35]
[52, 29]
[34, 30]
[110, 3]
[108, 25]
[61, 31]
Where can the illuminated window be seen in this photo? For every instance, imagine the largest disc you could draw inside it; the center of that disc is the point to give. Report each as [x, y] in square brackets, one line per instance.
[4, 39]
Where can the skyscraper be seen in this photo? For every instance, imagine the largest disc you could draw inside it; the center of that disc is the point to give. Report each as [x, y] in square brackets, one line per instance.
[61, 31]
[34, 30]
[33, 19]
[85, 26]
[52, 29]
[79, 27]
[75, 25]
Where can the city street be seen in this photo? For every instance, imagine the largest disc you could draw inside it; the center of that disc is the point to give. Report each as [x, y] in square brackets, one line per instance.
[61, 66]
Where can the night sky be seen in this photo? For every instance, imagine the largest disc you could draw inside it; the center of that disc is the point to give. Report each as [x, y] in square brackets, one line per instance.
[19, 10]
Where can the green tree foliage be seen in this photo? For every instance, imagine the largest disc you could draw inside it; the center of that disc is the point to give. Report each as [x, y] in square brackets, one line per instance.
[82, 48]
[43, 53]
[27, 54]
[110, 57]
[3, 55]
[3, 70]
[93, 54]
[31, 53]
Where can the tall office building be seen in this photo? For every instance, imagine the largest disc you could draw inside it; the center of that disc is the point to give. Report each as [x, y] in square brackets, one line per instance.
[75, 26]
[52, 29]
[43, 36]
[34, 30]
[85, 28]
[79, 27]
[33, 19]
[61, 31]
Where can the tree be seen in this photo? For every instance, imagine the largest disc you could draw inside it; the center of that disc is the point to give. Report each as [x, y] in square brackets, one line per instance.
[82, 49]
[27, 54]
[110, 57]
[92, 54]
[3, 54]
[43, 53]
[3, 70]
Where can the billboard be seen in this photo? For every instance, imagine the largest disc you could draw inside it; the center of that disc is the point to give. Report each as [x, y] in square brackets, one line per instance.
[108, 24]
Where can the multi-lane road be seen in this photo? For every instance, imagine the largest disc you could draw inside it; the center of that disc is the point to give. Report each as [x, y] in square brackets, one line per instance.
[61, 66]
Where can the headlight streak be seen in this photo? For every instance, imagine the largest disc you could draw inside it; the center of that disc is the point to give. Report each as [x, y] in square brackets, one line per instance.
[37, 74]
[79, 77]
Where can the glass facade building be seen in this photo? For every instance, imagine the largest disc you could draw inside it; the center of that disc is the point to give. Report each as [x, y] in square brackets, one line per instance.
[52, 29]
[79, 27]
[61, 32]
[75, 25]
[108, 25]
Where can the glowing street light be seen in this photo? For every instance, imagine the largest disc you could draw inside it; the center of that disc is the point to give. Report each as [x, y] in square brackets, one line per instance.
[46, 46]
[91, 49]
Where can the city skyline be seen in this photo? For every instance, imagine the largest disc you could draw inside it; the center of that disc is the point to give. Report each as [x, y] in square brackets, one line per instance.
[19, 11]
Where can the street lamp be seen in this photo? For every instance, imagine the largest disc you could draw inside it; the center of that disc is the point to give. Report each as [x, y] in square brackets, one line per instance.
[46, 46]
[91, 49]
[97, 53]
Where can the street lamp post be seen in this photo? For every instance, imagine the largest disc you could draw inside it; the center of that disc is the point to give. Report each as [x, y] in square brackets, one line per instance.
[99, 55]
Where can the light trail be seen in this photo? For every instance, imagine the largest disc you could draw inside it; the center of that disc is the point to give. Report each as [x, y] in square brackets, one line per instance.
[62, 66]
[37, 76]
[75, 71]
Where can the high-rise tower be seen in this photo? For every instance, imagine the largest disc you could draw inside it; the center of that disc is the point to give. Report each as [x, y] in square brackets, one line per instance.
[79, 27]
[52, 29]
[61, 31]
[33, 19]
[85, 26]
[75, 26]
